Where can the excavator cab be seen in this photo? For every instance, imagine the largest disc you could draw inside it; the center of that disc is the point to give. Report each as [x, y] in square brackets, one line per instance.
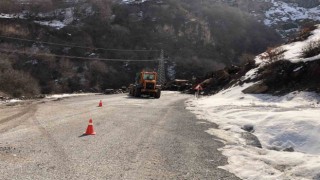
[149, 76]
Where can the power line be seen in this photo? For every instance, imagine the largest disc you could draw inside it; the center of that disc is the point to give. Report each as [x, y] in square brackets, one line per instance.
[83, 47]
[76, 57]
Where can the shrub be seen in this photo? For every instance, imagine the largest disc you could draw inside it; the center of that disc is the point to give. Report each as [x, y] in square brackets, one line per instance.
[17, 83]
[274, 54]
[312, 49]
[5, 64]
[246, 58]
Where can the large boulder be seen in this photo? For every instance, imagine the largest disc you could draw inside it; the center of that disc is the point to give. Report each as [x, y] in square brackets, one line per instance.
[256, 89]
[251, 140]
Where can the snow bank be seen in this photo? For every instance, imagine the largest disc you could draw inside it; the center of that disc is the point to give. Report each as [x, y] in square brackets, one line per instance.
[291, 121]
[55, 96]
[10, 101]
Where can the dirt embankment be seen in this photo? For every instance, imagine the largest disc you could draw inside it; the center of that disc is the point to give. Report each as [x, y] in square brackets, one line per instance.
[216, 81]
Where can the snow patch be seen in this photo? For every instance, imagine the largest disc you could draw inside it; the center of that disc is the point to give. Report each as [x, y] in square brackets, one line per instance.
[297, 69]
[55, 96]
[133, 1]
[11, 16]
[55, 24]
[10, 101]
[68, 14]
[170, 92]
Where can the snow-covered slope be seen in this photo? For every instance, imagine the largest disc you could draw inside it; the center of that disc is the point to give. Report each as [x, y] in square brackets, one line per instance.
[282, 124]
[288, 18]
[293, 51]
[286, 12]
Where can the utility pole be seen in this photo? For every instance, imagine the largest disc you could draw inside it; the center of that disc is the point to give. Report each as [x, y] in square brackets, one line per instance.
[161, 69]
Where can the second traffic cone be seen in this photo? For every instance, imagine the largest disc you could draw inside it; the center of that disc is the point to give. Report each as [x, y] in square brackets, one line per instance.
[100, 103]
[90, 130]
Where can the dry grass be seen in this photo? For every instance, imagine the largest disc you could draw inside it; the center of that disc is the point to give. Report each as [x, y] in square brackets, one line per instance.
[17, 83]
[13, 30]
[312, 49]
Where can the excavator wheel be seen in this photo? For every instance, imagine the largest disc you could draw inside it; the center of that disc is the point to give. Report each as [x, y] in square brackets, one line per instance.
[131, 92]
[157, 94]
[137, 92]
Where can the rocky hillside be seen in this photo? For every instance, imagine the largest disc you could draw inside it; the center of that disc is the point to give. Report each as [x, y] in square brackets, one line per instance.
[281, 70]
[52, 44]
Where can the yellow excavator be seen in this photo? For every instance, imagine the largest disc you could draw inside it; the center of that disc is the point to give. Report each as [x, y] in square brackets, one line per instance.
[146, 84]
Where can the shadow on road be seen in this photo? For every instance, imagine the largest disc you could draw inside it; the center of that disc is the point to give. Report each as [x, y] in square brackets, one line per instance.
[144, 98]
[83, 135]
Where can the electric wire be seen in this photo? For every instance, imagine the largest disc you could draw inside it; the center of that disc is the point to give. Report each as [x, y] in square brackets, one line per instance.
[76, 57]
[76, 46]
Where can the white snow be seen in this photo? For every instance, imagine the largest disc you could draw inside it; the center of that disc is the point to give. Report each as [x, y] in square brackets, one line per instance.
[279, 122]
[55, 24]
[55, 96]
[293, 51]
[68, 14]
[169, 92]
[14, 100]
[283, 12]
[297, 69]
[11, 16]
[133, 1]
[10, 101]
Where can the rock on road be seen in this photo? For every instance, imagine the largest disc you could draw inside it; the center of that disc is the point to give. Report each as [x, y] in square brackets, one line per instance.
[136, 139]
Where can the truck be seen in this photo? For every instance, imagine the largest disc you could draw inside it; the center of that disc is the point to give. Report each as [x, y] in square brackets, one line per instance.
[145, 84]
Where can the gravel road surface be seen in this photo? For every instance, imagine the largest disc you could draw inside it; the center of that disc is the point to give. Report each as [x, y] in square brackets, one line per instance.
[136, 139]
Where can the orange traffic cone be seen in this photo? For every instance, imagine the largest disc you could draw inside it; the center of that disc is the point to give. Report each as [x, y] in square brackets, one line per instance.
[90, 130]
[100, 103]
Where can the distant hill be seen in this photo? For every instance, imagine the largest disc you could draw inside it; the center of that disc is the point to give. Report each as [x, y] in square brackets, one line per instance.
[286, 16]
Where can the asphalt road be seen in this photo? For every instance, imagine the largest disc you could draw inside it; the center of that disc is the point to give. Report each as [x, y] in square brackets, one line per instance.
[136, 139]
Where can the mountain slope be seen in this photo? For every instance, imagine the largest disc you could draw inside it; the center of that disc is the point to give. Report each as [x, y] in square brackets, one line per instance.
[195, 37]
